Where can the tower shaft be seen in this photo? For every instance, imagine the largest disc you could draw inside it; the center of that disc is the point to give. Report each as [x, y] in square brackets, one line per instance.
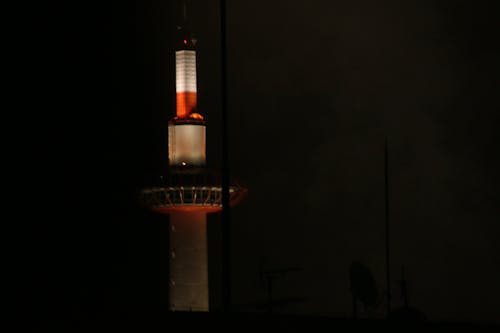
[188, 261]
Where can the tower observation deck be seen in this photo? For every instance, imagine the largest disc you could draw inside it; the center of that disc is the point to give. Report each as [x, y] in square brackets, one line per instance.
[188, 191]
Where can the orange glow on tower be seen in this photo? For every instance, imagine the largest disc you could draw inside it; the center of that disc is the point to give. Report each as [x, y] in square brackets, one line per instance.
[186, 104]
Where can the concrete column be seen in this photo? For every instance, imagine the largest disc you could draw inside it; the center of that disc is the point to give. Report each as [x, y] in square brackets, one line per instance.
[188, 261]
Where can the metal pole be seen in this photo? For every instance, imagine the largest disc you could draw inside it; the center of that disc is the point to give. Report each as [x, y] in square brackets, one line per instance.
[226, 230]
[387, 258]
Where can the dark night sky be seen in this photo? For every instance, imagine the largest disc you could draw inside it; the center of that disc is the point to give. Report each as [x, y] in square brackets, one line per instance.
[313, 89]
[314, 86]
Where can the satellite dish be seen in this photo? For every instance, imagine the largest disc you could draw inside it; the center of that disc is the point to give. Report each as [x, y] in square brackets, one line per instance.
[363, 286]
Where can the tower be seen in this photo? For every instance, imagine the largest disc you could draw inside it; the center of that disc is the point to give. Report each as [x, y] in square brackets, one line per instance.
[188, 191]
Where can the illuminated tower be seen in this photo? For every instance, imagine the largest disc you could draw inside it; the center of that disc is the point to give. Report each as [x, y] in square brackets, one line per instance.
[188, 191]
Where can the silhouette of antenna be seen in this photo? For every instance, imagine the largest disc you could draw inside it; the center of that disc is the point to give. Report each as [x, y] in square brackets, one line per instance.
[270, 276]
[363, 287]
[387, 234]
[404, 287]
[406, 312]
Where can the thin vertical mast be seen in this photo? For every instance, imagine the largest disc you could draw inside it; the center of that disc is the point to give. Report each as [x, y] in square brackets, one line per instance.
[226, 227]
[184, 12]
[387, 258]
